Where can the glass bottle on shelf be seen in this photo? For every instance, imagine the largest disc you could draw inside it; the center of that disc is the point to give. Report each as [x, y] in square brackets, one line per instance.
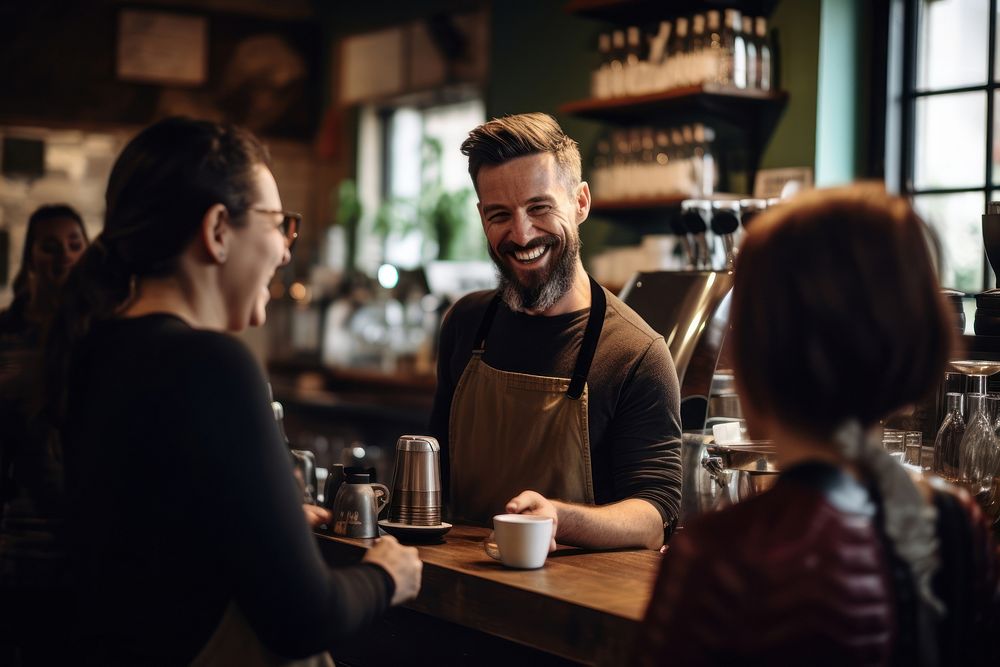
[713, 46]
[680, 165]
[633, 177]
[633, 61]
[705, 175]
[658, 49]
[616, 71]
[663, 186]
[979, 451]
[599, 86]
[735, 51]
[753, 61]
[691, 185]
[677, 54]
[765, 67]
[949, 439]
[647, 164]
[599, 174]
[697, 56]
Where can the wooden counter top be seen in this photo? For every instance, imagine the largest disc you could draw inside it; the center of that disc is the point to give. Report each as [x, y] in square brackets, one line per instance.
[582, 606]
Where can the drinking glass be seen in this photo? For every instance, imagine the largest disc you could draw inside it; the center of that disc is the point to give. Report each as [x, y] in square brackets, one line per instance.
[912, 444]
[894, 442]
[979, 451]
[947, 444]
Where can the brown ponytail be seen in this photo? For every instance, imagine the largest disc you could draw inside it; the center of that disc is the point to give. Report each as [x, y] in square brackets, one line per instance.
[162, 184]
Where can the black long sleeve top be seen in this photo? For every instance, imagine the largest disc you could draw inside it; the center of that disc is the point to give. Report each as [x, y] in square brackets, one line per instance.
[183, 501]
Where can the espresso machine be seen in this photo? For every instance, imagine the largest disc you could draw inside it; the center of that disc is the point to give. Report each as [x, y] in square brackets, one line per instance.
[690, 309]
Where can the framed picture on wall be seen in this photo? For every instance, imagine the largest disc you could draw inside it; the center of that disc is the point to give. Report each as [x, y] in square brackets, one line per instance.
[162, 47]
[141, 64]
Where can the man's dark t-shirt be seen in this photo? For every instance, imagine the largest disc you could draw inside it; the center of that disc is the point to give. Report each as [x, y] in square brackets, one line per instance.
[634, 399]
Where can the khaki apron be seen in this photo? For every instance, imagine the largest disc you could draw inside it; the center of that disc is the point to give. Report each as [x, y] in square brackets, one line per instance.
[235, 643]
[511, 432]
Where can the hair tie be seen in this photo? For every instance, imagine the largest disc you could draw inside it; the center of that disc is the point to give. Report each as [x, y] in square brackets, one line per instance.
[909, 521]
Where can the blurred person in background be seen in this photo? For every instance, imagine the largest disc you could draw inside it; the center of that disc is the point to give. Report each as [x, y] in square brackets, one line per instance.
[837, 321]
[187, 532]
[32, 562]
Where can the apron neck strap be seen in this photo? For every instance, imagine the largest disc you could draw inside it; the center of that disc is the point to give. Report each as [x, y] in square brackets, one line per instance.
[479, 345]
[595, 323]
[592, 334]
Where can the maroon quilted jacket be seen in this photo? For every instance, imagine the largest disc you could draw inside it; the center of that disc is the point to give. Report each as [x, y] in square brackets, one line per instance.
[801, 575]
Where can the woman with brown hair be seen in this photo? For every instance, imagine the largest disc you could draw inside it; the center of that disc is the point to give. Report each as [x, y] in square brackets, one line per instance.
[836, 323]
[188, 538]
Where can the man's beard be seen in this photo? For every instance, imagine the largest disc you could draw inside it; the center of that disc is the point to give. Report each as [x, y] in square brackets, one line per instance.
[547, 285]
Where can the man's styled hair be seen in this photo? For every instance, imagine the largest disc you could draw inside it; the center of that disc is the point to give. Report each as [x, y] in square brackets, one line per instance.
[503, 139]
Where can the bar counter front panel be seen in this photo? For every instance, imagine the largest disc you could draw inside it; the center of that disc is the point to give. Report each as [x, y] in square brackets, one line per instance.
[582, 607]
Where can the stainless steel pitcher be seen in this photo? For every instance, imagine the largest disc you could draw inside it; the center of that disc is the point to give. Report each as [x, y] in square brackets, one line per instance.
[357, 506]
[416, 482]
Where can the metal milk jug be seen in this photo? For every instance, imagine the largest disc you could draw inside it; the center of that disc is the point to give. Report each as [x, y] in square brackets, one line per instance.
[357, 506]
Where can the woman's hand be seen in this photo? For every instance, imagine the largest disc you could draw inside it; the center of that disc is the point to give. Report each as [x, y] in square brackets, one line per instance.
[316, 516]
[402, 563]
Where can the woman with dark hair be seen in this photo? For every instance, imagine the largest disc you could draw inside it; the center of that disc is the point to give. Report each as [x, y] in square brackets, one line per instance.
[188, 534]
[54, 241]
[836, 323]
[32, 561]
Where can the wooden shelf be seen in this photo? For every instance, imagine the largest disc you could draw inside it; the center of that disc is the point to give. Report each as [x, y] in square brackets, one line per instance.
[648, 205]
[727, 102]
[645, 11]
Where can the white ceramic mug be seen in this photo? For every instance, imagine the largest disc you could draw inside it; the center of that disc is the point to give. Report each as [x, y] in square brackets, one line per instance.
[522, 540]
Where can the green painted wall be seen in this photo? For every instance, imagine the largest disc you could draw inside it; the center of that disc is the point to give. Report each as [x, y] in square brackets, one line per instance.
[796, 25]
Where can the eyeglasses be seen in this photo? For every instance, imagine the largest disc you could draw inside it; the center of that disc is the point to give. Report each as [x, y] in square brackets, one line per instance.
[289, 225]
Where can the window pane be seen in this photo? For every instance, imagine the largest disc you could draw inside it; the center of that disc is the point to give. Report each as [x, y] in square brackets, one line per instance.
[450, 125]
[406, 133]
[996, 53]
[950, 149]
[953, 43]
[995, 152]
[956, 221]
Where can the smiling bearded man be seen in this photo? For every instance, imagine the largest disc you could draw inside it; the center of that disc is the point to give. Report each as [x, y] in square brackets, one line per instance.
[541, 291]
[554, 398]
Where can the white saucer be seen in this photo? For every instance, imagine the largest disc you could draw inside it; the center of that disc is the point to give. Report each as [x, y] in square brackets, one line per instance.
[410, 532]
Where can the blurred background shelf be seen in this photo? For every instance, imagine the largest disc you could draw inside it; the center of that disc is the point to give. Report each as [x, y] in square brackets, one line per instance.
[650, 205]
[726, 102]
[640, 11]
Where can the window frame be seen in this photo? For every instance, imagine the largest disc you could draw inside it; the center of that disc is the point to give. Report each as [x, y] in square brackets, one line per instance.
[904, 26]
